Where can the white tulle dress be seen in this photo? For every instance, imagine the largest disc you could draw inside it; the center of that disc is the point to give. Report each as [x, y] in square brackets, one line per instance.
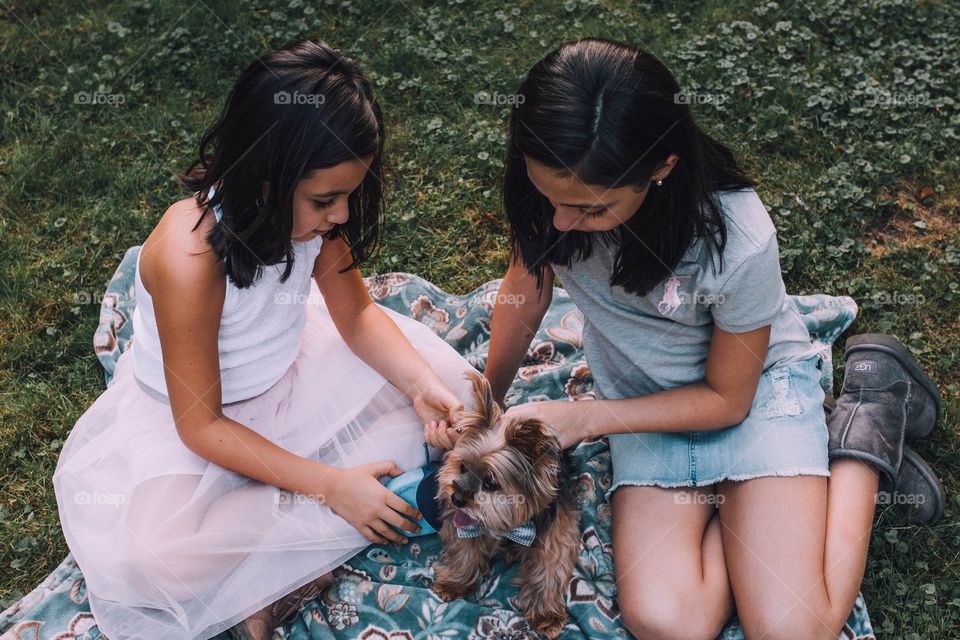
[174, 546]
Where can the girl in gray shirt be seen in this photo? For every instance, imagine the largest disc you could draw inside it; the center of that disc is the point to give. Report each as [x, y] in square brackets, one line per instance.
[707, 382]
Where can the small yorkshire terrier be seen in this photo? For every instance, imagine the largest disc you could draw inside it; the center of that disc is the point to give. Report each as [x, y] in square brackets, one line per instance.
[507, 486]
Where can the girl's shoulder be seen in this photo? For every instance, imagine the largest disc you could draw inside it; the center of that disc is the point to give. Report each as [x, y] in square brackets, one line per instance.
[749, 226]
[178, 244]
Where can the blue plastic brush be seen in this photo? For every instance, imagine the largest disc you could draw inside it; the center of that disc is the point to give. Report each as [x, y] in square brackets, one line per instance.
[418, 488]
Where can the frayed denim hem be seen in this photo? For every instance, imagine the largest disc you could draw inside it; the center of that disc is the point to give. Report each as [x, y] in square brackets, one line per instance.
[689, 484]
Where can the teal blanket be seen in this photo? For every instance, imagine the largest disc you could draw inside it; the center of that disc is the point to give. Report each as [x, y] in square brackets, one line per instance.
[384, 591]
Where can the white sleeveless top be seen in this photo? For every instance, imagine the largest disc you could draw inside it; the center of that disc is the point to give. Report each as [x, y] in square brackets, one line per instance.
[260, 329]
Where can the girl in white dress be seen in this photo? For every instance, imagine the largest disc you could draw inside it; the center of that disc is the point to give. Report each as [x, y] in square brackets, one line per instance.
[240, 451]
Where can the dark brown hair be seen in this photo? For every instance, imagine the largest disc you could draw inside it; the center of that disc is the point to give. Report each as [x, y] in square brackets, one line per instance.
[298, 109]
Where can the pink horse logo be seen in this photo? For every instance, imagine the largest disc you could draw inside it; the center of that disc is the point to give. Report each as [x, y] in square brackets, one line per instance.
[671, 297]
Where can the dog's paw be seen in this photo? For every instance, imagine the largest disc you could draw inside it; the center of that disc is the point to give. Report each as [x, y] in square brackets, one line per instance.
[549, 627]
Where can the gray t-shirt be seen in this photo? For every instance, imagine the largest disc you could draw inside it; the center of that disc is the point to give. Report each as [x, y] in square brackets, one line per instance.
[636, 345]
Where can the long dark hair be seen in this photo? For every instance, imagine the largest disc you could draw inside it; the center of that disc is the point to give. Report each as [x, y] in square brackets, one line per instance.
[610, 114]
[298, 109]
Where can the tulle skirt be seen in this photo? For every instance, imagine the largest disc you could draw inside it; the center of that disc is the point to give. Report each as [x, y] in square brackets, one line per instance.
[174, 546]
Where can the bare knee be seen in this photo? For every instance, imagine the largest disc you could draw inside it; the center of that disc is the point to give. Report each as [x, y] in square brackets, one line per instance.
[680, 589]
[656, 615]
[793, 621]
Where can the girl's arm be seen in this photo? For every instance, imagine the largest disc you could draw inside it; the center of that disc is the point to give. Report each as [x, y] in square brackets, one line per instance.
[188, 290]
[371, 334]
[722, 399]
[516, 317]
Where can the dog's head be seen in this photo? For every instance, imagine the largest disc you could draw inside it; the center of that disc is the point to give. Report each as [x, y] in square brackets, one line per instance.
[501, 472]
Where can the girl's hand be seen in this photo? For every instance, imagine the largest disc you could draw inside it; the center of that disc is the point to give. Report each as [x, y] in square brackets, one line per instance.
[440, 437]
[358, 497]
[568, 420]
[439, 408]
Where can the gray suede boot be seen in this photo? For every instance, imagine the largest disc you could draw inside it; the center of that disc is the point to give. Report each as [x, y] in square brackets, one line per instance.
[923, 402]
[919, 493]
[887, 399]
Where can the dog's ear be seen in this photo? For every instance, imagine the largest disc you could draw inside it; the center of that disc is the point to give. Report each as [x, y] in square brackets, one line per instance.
[534, 438]
[485, 411]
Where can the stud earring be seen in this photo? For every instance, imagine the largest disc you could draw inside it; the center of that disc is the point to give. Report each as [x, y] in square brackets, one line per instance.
[659, 183]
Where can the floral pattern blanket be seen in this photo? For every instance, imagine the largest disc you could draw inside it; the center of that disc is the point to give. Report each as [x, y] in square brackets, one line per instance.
[384, 591]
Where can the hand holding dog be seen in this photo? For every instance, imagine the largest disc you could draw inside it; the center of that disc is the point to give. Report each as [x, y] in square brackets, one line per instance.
[438, 407]
[358, 497]
[440, 435]
[568, 420]
[569, 423]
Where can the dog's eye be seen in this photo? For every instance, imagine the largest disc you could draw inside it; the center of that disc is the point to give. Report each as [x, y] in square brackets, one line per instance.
[463, 469]
[490, 485]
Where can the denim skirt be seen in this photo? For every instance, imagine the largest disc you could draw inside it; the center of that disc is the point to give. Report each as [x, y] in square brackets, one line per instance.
[785, 434]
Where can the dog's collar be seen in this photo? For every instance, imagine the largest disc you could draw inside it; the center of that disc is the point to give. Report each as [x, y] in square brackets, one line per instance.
[524, 534]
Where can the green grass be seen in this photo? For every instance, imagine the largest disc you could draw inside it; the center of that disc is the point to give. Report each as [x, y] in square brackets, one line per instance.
[865, 195]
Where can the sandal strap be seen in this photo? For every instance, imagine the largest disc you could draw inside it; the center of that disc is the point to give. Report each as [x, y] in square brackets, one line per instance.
[241, 631]
[286, 608]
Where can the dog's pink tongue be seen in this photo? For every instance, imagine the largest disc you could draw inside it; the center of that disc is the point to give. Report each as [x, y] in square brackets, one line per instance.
[461, 519]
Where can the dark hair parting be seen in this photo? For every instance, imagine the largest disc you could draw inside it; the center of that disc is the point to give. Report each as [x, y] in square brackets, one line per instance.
[608, 114]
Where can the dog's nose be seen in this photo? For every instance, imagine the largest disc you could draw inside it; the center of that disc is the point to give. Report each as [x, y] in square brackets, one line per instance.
[458, 500]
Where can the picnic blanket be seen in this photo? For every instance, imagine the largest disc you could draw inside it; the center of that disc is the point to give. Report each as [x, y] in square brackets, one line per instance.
[384, 591]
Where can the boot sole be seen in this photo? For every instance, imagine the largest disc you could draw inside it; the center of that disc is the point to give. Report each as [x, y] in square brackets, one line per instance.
[940, 495]
[893, 347]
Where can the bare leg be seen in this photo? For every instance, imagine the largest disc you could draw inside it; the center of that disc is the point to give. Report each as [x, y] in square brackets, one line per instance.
[669, 562]
[796, 549]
